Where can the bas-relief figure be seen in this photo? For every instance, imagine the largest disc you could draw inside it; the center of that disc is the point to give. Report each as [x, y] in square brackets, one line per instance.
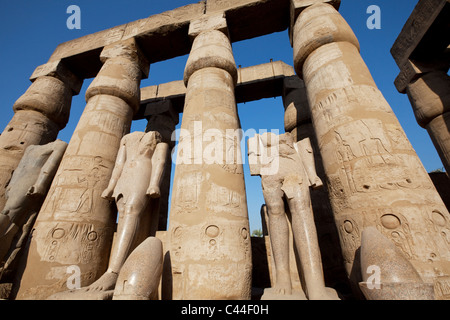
[287, 171]
[136, 178]
[25, 194]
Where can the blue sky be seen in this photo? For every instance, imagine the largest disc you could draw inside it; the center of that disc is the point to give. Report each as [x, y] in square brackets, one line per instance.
[30, 30]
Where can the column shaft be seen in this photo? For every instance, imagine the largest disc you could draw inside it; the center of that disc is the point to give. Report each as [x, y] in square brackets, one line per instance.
[374, 176]
[210, 246]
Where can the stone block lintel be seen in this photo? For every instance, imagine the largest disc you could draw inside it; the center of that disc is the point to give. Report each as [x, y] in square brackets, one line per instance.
[216, 21]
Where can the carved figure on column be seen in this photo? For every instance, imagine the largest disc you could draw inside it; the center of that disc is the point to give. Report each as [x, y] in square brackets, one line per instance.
[25, 194]
[287, 171]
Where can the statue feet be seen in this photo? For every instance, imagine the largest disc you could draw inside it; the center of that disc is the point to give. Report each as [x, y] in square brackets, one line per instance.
[105, 283]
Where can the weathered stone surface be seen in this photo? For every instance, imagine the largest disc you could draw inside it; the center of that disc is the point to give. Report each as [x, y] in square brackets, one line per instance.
[333, 28]
[412, 70]
[75, 225]
[39, 114]
[297, 6]
[211, 50]
[367, 158]
[25, 194]
[141, 273]
[425, 30]
[295, 101]
[373, 174]
[430, 99]
[49, 96]
[377, 250]
[57, 69]
[254, 83]
[164, 36]
[298, 123]
[209, 217]
[81, 54]
[430, 96]
[396, 277]
[208, 22]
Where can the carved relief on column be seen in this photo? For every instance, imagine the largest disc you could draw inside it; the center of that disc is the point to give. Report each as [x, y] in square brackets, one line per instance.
[210, 249]
[430, 99]
[75, 225]
[374, 176]
[40, 113]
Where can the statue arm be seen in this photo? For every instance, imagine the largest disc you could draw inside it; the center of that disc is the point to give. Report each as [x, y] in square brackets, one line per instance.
[158, 165]
[117, 171]
[48, 170]
[305, 150]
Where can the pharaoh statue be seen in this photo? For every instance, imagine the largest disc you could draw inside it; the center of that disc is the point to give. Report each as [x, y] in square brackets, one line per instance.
[287, 172]
[25, 194]
[136, 178]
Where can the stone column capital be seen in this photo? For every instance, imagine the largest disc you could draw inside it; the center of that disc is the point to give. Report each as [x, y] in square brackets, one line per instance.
[429, 96]
[128, 49]
[124, 65]
[297, 6]
[211, 49]
[316, 26]
[58, 69]
[411, 70]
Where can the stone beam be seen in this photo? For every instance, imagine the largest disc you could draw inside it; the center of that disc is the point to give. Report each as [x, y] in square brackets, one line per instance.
[425, 31]
[165, 36]
[422, 45]
[254, 83]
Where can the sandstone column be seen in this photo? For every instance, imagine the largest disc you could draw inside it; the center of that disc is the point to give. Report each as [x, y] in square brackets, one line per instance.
[430, 99]
[374, 176]
[162, 118]
[75, 225]
[210, 250]
[40, 113]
